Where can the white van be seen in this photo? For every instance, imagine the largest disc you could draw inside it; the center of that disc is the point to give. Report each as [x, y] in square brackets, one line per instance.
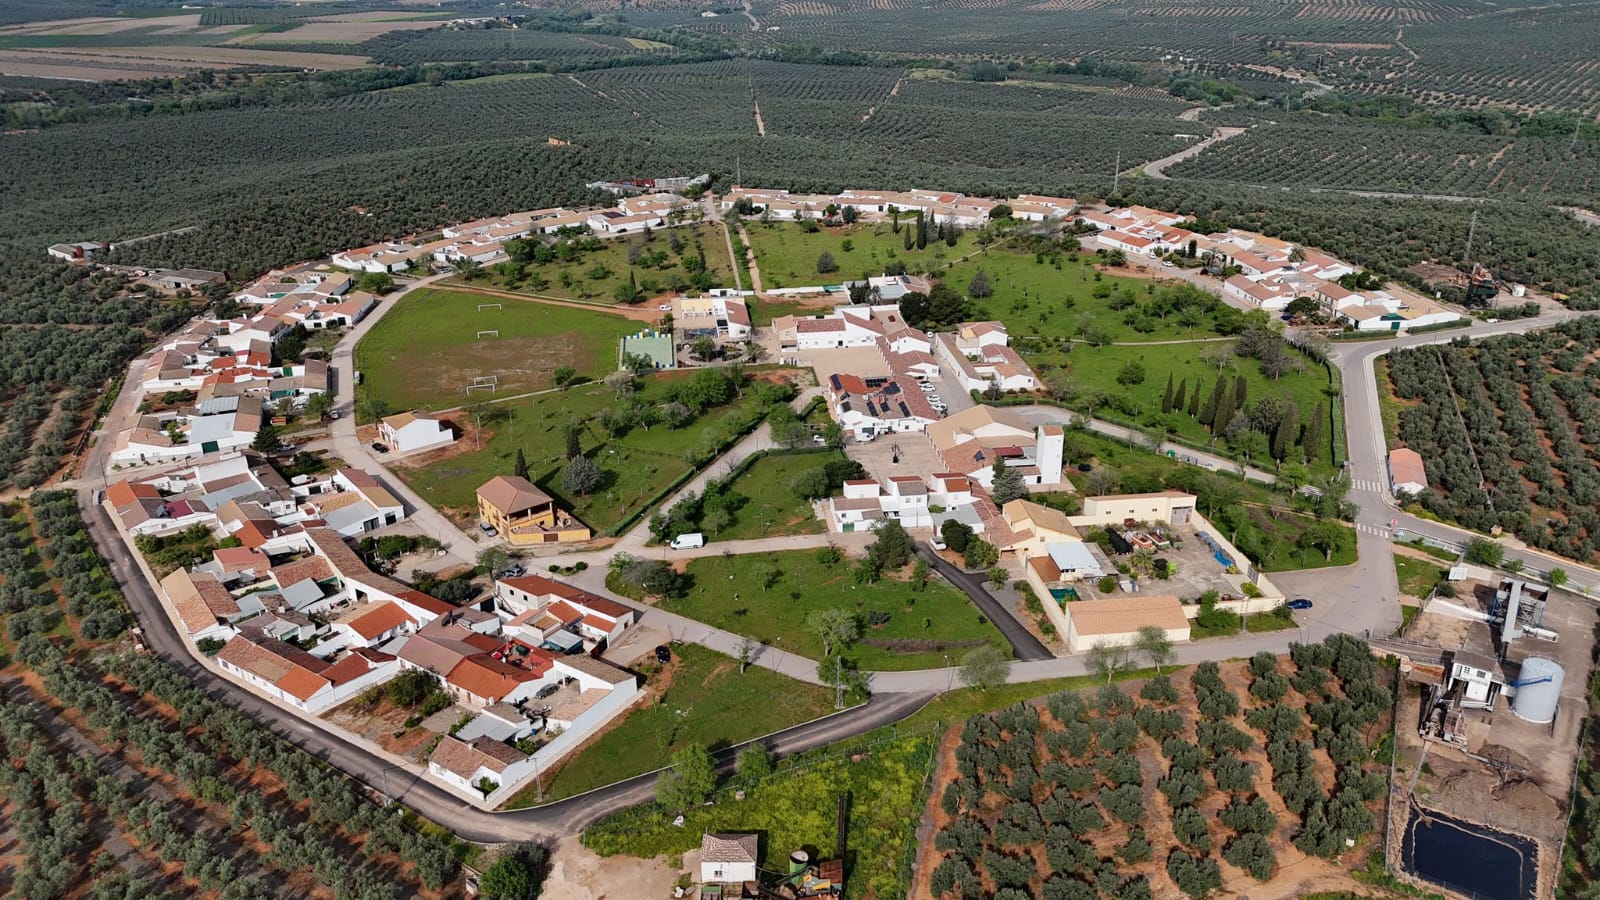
[688, 541]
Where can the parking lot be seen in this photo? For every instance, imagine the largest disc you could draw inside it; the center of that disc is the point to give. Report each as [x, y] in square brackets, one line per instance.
[915, 455]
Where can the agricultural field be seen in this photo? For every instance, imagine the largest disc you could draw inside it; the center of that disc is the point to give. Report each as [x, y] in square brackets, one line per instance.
[554, 48]
[67, 333]
[424, 352]
[633, 269]
[1255, 767]
[1408, 160]
[700, 697]
[1519, 413]
[180, 776]
[769, 597]
[639, 455]
[881, 777]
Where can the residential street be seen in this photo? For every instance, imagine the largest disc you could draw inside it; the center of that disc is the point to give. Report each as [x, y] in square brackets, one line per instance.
[1359, 598]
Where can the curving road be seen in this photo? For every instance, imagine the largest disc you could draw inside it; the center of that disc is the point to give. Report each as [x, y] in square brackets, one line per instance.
[385, 775]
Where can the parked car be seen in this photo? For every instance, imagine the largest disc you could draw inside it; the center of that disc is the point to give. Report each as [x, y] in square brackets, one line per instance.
[546, 691]
[511, 572]
[379, 448]
[926, 387]
[334, 414]
[663, 654]
[937, 542]
[818, 439]
[1300, 603]
[486, 528]
[665, 307]
[688, 541]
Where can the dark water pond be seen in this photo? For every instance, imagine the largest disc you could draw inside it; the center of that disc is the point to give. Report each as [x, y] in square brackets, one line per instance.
[1470, 859]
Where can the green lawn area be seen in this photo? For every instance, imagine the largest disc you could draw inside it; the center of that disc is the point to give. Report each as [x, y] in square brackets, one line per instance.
[798, 807]
[763, 311]
[1417, 578]
[594, 275]
[1223, 623]
[1053, 296]
[1139, 470]
[733, 593]
[771, 507]
[1094, 370]
[1389, 406]
[426, 350]
[637, 465]
[788, 256]
[699, 698]
[1269, 538]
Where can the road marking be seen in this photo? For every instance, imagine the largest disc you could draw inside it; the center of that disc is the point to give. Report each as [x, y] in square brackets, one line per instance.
[1379, 530]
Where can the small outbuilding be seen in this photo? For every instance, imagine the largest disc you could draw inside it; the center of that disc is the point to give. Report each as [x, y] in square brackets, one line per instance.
[410, 432]
[728, 858]
[1407, 474]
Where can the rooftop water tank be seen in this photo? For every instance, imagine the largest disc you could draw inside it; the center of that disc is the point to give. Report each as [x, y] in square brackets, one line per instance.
[1538, 690]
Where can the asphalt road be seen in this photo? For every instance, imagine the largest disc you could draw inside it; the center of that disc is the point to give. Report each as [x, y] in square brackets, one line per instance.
[1024, 646]
[384, 776]
[1369, 472]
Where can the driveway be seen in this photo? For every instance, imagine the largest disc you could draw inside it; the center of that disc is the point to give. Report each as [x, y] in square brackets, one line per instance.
[1024, 646]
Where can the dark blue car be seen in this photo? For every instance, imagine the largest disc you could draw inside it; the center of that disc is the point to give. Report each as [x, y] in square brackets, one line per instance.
[1300, 603]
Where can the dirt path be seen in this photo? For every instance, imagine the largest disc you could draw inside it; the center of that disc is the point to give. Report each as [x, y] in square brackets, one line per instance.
[1158, 168]
[893, 92]
[752, 266]
[578, 873]
[748, 14]
[761, 127]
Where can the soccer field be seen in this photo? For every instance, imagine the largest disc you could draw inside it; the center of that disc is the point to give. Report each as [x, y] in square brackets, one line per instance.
[427, 349]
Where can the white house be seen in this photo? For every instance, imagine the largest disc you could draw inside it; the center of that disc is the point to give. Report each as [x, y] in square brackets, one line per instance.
[413, 432]
[969, 442]
[296, 678]
[385, 257]
[230, 424]
[1116, 621]
[846, 326]
[728, 858]
[867, 407]
[867, 504]
[978, 355]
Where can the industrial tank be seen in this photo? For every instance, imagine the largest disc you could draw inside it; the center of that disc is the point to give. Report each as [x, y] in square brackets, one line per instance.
[1538, 689]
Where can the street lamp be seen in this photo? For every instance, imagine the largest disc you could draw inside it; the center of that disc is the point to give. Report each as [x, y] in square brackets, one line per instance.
[950, 672]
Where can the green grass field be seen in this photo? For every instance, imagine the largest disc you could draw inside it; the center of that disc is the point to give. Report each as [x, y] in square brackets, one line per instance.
[637, 465]
[1269, 538]
[1389, 406]
[771, 507]
[1094, 370]
[1034, 296]
[788, 256]
[1417, 578]
[702, 699]
[733, 593]
[576, 279]
[797, 807]
[426, 350]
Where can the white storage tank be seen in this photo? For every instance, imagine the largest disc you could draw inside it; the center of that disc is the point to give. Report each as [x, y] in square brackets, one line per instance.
[1538, 690]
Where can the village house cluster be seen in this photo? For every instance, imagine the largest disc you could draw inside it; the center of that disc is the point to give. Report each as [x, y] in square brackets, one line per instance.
[947, 206]
[484, 240]
[1272, 273]
[303, 619]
